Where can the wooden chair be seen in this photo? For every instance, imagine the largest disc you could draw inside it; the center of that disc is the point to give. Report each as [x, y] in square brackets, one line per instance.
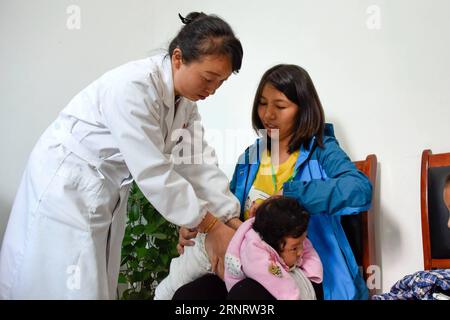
[434, 213]
[360, 228]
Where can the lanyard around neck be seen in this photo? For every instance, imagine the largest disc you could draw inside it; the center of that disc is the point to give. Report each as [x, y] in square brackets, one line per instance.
[274, 176]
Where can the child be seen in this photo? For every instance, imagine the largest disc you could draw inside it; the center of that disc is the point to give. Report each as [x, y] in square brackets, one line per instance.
[271, 248]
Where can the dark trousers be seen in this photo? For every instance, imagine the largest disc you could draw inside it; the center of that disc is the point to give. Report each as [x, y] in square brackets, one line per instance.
[211, 287]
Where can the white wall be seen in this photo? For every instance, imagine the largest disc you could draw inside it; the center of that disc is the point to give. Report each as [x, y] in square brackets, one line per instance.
[386, 90]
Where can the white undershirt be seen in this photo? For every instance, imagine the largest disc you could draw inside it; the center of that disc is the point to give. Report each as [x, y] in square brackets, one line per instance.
[304, 284]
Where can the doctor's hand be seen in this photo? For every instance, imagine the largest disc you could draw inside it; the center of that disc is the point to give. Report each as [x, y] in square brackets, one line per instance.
[216, 245]
[184, 236]
[234, 223]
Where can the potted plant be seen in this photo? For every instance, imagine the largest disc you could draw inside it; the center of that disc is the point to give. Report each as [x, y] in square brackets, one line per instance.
[147, 248]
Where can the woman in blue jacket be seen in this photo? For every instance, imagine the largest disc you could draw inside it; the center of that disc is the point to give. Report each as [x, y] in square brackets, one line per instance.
[309, 166]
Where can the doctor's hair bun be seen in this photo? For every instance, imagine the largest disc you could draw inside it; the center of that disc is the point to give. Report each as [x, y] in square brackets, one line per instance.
[206, 34]
[191, 17]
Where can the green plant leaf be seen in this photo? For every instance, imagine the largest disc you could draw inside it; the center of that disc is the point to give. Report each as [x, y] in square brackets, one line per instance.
[142, 242]
[125, 259]
[138, 230]
[152, 253]
[165, 259]
[140, 195]
[149, 213]
[127, 240]
[134, 213]
[150, 228]
[134, 264]
[122, 278]
[127, 250]
[136, 276]
[160, 236]
[141, 252]
[145, 263]
[161, 221]
[146, 275]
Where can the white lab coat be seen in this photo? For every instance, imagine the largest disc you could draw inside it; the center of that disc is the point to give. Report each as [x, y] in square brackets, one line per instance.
[64, 234]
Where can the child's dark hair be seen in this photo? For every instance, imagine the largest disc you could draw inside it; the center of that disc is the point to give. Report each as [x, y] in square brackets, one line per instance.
[296, 84]
[205, 34]
[279, 217]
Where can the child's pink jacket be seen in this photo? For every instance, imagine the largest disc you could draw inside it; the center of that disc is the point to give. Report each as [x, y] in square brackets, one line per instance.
[248, 256]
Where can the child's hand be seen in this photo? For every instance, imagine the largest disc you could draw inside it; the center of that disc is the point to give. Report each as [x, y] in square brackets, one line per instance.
[256, 204]
[279, 193]
[252, 210]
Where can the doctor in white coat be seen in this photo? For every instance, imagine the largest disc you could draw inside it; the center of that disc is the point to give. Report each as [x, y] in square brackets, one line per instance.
[64, 234]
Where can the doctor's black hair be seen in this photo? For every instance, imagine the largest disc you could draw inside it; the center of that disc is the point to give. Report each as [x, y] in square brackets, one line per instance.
[296, 84]
[205, 34]
[279, 217]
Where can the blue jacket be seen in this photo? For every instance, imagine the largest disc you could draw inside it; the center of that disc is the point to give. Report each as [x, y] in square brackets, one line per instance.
[328, 185]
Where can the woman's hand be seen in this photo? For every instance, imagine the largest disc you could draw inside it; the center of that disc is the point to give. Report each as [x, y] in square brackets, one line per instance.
[216, 245]
[184, 236]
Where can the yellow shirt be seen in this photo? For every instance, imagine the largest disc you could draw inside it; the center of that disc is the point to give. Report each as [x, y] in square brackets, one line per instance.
[263, 186]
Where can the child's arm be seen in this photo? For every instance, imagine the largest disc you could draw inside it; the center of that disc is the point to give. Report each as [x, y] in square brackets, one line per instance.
[310, 262]
[258, 264]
